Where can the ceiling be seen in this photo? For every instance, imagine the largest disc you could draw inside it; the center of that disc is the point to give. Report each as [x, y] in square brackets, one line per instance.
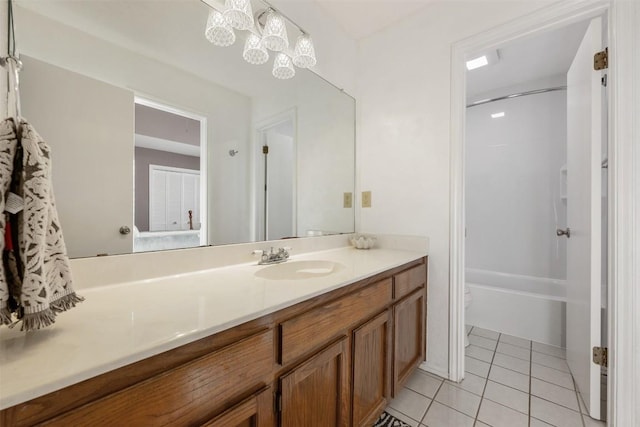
[527, 59]
[361, 18]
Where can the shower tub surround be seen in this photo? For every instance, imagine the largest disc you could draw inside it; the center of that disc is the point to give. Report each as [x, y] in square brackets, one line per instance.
[141, 305]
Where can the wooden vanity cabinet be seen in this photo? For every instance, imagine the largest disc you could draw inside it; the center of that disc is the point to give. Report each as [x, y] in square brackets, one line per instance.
[409, 323]
[371, 369]
[316, 392]
[255, 411]
[333, 360]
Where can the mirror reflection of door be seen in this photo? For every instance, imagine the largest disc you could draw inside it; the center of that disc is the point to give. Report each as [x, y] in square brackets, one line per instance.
[168, 180]
[278, 147]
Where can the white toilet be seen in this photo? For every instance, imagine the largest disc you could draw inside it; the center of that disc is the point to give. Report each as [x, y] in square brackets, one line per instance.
[467, 303]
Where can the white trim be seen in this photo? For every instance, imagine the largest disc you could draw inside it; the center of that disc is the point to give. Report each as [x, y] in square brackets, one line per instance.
[161, 144]
[623, 388]
[153, 167]
[554, 16]
[204, 161]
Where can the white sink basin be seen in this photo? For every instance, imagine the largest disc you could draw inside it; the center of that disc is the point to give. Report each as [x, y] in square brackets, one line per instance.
[299, 270]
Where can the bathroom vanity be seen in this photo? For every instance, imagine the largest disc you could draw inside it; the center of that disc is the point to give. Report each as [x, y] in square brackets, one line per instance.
[333, 351]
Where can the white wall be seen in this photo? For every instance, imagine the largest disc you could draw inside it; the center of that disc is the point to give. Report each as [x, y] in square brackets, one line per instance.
[228, 113]
[403, 135]
[512, 189]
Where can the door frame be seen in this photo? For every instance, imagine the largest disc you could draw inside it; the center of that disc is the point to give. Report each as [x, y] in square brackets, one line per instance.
[623, 18]
[258, 170]
[204, 199]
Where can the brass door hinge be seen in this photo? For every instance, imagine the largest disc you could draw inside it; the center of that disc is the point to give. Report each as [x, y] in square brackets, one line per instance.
[600, 356]
[601, 60]
[265, 149]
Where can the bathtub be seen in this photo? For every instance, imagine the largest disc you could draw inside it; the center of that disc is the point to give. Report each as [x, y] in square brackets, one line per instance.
[524, 306]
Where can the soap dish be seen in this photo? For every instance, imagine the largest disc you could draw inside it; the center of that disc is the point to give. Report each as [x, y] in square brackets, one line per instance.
[362, 241]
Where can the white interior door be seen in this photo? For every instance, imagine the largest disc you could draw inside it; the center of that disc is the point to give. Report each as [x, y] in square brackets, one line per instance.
[91, 140]
[584, 121]
[280, 171]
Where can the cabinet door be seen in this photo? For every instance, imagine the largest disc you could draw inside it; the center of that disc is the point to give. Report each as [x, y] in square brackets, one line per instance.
[409, 337]
[371, 370]
[256, 411]
[316, 393]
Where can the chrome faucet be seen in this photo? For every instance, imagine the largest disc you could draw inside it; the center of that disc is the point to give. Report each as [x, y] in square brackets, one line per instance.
[272, 257]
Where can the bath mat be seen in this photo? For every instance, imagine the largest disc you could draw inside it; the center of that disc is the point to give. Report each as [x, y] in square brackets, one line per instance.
[387, 420]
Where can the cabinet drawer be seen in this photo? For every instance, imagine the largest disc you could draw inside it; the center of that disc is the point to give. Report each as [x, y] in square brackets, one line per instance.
[186, 395]
[406, 282]
[317, 326]
[255, 411]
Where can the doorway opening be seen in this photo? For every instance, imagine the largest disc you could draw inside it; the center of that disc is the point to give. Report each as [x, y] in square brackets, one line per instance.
[531, 251]
[276, 207]
[170, 178]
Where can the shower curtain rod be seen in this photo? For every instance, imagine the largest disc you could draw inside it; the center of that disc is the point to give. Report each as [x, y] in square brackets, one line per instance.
[516, 95]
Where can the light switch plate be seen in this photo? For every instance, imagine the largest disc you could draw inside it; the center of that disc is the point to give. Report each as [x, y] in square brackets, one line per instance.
[366, 199]
[348, 200]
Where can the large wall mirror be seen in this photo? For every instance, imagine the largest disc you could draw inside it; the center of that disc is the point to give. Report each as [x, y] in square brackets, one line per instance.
[161, 140]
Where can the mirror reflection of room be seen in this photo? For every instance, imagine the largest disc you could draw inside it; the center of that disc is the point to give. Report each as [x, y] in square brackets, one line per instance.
[88, 106]
[168, 206]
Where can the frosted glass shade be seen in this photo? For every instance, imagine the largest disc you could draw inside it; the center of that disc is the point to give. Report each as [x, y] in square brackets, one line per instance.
[283, 67]
[238, 13]
[218, 30]
[304, 54]
[254, 52]
[274, 34]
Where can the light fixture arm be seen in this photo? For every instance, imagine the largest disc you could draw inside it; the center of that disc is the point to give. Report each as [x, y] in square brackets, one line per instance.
[260, 15]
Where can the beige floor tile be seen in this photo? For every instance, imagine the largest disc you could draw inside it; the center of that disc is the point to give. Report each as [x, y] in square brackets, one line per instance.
[424, 384]
[440, 415]
[554, 393]
[554, 414]
[458, 399]
[476, 367]
[479, 353]
[471, 382]
[509, 378]
[513, 363]
[482, 342]
[550, 350]
[551, 375]
[410, 403]
[550, 361]
[507, 396]
[497, 415]
[519, 342]
[514, 350]
[534, 422]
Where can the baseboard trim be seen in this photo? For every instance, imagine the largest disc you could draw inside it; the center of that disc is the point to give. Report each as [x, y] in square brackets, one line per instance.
[427, 367]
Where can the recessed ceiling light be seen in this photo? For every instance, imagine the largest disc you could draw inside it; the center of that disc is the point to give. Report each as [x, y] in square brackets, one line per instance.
[478, 62]
[497, 115]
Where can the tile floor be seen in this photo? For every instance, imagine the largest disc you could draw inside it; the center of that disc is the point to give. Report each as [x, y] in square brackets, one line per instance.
[509, 382]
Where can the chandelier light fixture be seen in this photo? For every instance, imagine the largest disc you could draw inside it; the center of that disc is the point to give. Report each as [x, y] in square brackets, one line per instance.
[267, 30]
[218, 30]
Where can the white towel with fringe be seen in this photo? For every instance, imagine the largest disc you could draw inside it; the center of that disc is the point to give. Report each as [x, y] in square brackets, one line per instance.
[38, 284]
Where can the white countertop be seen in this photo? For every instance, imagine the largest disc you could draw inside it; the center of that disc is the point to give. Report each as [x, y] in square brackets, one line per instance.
[120, 324]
